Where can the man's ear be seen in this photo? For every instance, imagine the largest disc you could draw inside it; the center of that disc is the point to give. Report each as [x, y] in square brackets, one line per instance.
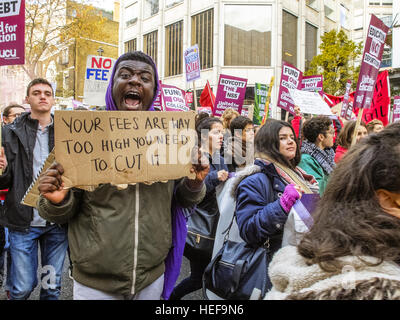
[389, 201]
[320, 137]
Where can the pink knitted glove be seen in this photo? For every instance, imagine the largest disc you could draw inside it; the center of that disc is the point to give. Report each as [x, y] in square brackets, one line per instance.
[289, 197]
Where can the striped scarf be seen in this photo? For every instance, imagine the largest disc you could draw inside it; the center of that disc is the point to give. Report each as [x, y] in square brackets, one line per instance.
[326, 157]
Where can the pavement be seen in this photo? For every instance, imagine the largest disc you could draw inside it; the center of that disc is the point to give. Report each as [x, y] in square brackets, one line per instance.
[67, 284]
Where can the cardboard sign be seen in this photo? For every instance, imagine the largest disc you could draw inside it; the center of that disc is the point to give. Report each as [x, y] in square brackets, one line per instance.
[98, 74]
[122, 147]
[192, 63]
[396, 109]
[230, 94]
[345, 104]
[32, 194]
[310, 102]
[290, 79]
[312, 83]
[12, 32]
[173, 98]
[371, 62]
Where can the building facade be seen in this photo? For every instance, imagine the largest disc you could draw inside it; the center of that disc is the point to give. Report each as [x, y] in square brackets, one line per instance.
[248, 39]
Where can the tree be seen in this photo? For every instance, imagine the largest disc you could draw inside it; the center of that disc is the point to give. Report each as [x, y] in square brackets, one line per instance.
[336, 62]
[50, 23]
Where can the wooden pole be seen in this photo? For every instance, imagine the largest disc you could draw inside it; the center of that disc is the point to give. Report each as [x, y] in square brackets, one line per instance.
[251, 112]
[194, 96]
[286, 116]
[359, 117]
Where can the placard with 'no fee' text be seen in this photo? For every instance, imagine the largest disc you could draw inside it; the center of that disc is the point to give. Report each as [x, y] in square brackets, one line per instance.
[122, 147]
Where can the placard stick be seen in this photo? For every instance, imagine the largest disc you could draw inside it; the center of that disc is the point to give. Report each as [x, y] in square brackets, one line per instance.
[287, 116]
[360, 113]
[251, 112]
[195, 96]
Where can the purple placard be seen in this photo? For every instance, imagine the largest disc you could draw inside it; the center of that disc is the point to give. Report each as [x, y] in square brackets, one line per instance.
[345, 102]
[230, 94]
[371, 62]
[396, 109]
[157, 102]
[312, 83]
[192, 63]
[290, 79]
[173, 98]
[12, 32]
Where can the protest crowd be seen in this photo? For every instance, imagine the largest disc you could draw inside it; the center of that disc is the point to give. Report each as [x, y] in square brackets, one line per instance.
[305, 208]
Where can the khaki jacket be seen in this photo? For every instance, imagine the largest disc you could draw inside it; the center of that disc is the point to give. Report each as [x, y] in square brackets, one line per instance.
[119, 239]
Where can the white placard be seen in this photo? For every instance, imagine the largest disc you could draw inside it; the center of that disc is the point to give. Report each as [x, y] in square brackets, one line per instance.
[310, 102]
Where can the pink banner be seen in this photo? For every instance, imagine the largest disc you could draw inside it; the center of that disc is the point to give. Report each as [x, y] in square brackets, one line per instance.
[345, 103]
[312, 83]
[12, 32]
[290, 79]
[230, 94]
[371, 62]
[173, 98]
[396, 109]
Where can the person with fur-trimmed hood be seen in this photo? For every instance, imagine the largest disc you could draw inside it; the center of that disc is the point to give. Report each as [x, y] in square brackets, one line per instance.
[352, 251]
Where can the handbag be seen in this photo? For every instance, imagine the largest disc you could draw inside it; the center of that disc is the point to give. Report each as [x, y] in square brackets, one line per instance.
[238, 271]
[201, 228]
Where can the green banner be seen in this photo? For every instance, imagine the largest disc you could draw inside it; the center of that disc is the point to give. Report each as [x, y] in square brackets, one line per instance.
[260, 98]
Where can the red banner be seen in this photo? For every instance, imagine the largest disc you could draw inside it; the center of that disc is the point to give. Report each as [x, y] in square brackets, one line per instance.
[380, 101]
[12, 32]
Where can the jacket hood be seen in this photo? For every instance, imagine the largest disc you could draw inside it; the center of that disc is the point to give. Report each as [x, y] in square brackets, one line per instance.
[110, 103]
[291, 275]
[257, 167]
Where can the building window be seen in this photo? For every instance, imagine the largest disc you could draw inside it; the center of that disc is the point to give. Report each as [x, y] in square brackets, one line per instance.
[150, 8]
[130, 45]
[173, 49]
[248, 38]
[289, 38]
[150, 44]
[387, 20]
[171, 3]
[344, 13]
[312, 4]
[329, 13]
[131, 14]
[311, 44]
[203, 35]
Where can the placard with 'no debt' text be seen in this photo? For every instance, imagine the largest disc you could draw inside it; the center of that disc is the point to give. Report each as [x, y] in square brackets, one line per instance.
[121, 147]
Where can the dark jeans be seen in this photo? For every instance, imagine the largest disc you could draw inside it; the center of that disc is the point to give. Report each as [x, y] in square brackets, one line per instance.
[24, 263]
[198, 263]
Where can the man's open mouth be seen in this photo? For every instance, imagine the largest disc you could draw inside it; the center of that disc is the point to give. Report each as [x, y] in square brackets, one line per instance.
[132, 99]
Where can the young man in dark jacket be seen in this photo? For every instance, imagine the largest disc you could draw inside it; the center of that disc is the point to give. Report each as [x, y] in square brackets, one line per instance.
[26, 144]
[120, 238]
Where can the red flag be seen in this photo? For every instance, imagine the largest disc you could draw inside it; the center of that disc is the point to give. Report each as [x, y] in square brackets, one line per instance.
[207, 97]
[380, 101]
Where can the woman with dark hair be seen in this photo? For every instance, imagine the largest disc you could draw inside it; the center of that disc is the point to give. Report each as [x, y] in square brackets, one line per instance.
[346, 135]
[356, 233]
[210, 135]
[266, 191]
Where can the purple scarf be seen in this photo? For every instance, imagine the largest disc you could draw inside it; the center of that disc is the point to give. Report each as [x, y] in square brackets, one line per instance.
[174, 258]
